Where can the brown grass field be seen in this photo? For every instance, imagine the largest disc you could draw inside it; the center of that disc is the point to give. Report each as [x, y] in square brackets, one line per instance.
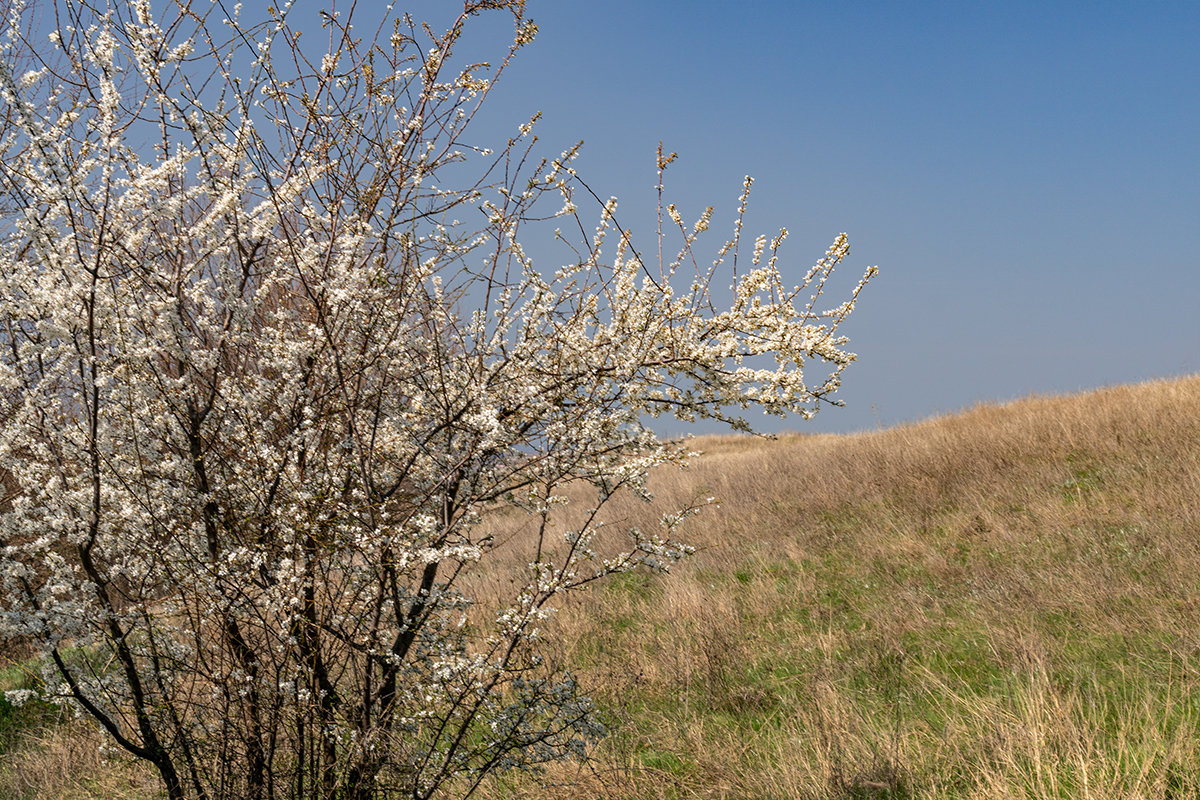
[1002, 603]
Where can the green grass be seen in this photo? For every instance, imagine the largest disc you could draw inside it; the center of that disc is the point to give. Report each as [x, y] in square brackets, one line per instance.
[18, 721]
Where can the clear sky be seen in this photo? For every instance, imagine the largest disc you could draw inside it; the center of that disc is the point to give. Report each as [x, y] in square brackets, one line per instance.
[1025, 174]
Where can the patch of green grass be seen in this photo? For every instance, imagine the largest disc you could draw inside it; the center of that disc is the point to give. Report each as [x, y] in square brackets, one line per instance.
[1087, 476]
[637, 585]
[665, 761]
[16, 721]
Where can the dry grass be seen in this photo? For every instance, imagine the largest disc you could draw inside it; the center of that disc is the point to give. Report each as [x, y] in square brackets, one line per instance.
[66, 762]
[1003, 603]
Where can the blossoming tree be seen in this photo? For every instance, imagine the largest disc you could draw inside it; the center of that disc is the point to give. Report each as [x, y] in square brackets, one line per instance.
[277, 378]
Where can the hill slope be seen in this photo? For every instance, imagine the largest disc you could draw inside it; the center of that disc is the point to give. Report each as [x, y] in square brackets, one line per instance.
[1001, 603]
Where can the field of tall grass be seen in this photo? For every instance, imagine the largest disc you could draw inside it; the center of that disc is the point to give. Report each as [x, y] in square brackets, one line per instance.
[1003, 603]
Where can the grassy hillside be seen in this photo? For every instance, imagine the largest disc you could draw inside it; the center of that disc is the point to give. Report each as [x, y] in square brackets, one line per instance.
[1002, 603]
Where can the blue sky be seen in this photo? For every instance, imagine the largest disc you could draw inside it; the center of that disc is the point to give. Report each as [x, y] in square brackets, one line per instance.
[1026, 175]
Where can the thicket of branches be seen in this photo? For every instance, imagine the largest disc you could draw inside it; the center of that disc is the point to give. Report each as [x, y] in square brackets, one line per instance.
[269, 387]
